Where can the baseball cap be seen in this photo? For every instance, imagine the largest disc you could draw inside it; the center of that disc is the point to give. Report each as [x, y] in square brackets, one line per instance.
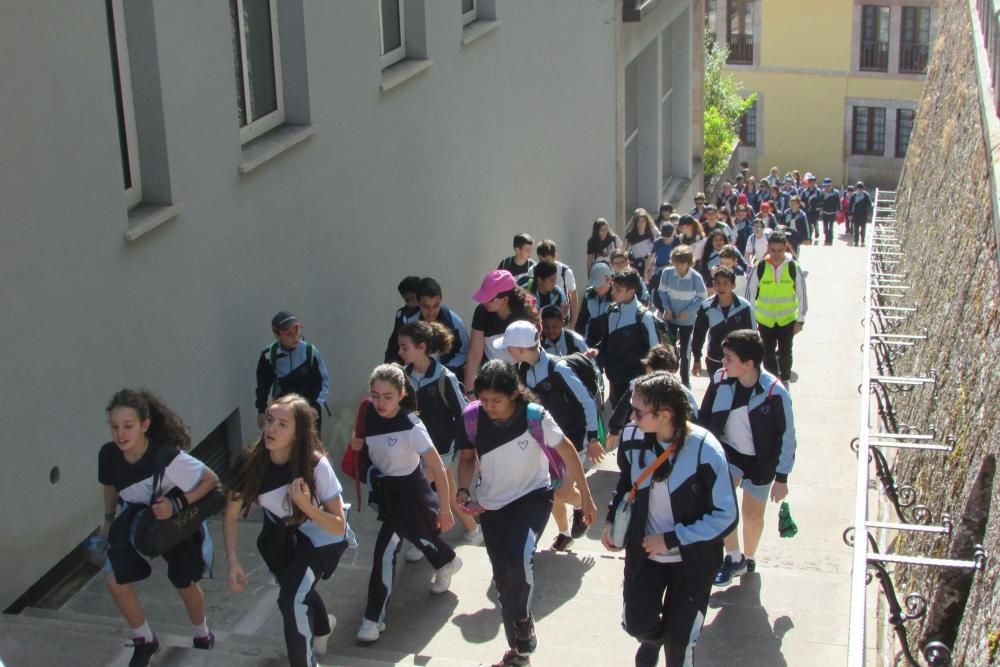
[283, 321]
[599, 274]
[494, 284]
[765, 206]
[827, 181]
[519, 334]
[859, 184]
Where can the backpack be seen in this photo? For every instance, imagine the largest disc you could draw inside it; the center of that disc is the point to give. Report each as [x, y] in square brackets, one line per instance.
[272, 353]
[792, 270]
[662, 331]
[583, 368]
[557, 467]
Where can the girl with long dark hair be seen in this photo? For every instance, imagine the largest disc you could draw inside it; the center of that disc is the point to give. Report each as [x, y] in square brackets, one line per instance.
[601, 244]
[149, 440]
[680, 514]
[304, 530]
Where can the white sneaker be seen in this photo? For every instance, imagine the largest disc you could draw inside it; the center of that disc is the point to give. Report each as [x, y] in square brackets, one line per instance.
[370, 631]
[474, 536]
[320, 641]
[443, 575]
[413, 554]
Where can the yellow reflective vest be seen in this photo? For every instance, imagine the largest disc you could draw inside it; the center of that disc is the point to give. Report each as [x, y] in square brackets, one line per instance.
[776, 302]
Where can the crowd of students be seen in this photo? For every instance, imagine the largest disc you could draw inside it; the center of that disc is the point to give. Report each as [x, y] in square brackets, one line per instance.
[492, 426]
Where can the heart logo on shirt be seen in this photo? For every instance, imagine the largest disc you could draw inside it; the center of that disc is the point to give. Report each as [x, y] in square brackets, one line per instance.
[393, 441]
[523, 444]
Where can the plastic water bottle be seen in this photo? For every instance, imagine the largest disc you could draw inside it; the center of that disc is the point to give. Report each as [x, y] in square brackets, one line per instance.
[97, 550]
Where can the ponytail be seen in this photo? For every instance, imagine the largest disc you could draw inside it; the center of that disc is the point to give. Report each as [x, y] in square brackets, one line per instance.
[164, 424]
[434, 335]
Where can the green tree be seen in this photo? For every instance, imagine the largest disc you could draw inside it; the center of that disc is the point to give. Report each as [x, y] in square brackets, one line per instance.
[725, 107]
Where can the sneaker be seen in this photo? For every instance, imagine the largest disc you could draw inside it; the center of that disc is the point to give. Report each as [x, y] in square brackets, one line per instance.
[474, 536]
[205, 643]
[413, 554]
[526, 642]
[143, 651]
[562, 542]
[320, 641]
[442, 576]
[751, 565]
[512, 658]
[579, 528]
[370, 631]
[729, 570]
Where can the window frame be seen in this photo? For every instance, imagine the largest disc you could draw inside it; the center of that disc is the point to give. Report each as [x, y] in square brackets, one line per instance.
[471, 15]
[746, 28]
[870, 143]
[398, 54]
[266, 123]
[877, 29]
[915, 11]
[899, 125]
[744, 141]
[123, 89]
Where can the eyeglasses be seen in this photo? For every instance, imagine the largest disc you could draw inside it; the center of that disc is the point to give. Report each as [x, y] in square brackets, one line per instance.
[639, 414]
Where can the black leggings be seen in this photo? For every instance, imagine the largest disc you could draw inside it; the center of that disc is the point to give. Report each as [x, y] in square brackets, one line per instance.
[511, 534]
[302, 608]
[859, 231]
[778, 338]
[663, 606]
[683, 333]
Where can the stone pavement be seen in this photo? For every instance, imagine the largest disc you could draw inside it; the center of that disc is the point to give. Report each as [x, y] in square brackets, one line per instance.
[793, 611]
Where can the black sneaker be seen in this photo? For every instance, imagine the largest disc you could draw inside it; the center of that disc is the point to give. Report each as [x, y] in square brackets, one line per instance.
[512, 658]
[143, 651]
[562, 542]
[205, 643]
[525, 641]
[579, 528]
[751, 565]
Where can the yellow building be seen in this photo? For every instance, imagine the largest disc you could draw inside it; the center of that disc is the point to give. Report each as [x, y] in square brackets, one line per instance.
[837, 82]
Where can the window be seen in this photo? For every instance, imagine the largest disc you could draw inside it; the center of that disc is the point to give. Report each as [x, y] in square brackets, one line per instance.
[469, 11]
[632, 135]
[904, 127]
[259, 95]
[122, 77]
[748, 128]
[739, 32]
[391, 24]
[874, 38]
[711, 10]
[868, 131]
[666, 102]
[915, 40]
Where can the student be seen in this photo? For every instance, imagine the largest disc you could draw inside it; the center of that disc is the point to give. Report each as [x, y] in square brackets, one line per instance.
[520, 262]
[290, 365]
[717, 316]
[631, 332]
[710, 256]
[397, 444]
[567, 281]
[601, 244]
[501, 302]
[620, 262]
[861, 213]
[766, 216]
[750, 412]
[441, 401]
[304, 531]
[562, 393]
[659, 358]
[596, 301]
[682, 290]
[432, 310]
[690, 234]
[663, 245]
[796, 219]
[557, 339]
[726, 198]
[777, 288]
[829, 205]
[756, 245]
[665, 213]
[698, 211]
[680, 514]
[542, 286]
[407, 289]
[731, 258]
[711, 223]
[514, 490]
[812, 199]
[844, 214]
[147, 438]
[639, 237]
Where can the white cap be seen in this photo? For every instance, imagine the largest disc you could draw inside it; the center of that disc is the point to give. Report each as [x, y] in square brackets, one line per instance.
[519, 334]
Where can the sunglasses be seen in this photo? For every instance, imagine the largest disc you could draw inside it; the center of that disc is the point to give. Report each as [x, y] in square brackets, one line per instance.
[639, 414]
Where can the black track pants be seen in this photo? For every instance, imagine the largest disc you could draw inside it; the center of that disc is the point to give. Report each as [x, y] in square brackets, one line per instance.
[683, 334]
[302, 608]
[778, 339]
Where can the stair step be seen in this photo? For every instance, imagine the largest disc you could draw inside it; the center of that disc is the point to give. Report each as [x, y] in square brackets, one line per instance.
[38, 642]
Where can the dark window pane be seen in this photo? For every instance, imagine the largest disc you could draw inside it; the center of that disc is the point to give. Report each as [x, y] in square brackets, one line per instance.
[631, 97]
[468, 6]
[391, 37]
[748, 128]
[119, 99]
[904, 127]
[632, 175]
[241, 103]
[260, 57]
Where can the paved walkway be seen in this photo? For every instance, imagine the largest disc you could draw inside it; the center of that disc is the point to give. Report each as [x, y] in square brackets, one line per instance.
[793, 611]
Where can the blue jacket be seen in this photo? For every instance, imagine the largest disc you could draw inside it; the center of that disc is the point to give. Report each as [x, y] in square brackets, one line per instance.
[771, 423]
[712, 322]
[682, 295]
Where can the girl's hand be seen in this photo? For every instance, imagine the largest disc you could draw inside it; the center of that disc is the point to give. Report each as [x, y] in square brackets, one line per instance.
[654, 544]
[162, 509]
[104, 530]
[298, 491]
[445, 519]
[594, 451]
[606, 539]
[237, 577]
[357, 444]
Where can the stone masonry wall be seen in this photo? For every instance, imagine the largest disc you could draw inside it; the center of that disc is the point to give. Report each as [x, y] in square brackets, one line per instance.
[945, 222]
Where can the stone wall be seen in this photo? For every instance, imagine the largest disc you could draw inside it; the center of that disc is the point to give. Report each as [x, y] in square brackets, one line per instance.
[946, 225]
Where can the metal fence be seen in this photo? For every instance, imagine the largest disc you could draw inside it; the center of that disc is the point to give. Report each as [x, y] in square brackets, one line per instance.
[989, 24]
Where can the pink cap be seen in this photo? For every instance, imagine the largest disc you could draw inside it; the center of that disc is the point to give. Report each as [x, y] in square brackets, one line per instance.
[494, 284]
[742, 199]
[764, 206]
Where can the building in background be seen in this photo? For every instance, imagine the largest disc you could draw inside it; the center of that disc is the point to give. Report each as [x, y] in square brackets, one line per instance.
[174, 173]
[837, 83]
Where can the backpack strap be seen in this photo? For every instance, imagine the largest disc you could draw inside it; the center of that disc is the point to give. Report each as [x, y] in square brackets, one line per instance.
[535, 415]
[272, 353]
[310, 354]
[470, 416]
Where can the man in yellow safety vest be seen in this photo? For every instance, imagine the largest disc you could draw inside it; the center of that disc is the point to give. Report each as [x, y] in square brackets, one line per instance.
[777, 289]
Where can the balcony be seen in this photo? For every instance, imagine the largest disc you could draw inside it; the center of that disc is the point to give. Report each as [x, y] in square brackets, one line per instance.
[913, 58]
[875, 57]
[740, 50]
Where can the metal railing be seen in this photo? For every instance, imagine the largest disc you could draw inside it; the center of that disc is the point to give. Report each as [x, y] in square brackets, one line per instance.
[740, 50]
[881, 431]
[874, 56]
[985, 18]
[988, 14]
[913, 58]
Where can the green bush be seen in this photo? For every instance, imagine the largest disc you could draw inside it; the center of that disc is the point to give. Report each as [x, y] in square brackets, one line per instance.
[725, 107]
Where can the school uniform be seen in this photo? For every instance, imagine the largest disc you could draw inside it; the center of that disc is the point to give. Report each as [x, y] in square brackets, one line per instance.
[592, 322]
[566, 280]
[798, 222]
[440, 398]
[829, 205]
[186, 561]
[403, 315]
[682, 294]
[568, 342]
[493, 329]
[622, 414]
[515, 489]
[301, 371]
[666, 594]
[564, 396]
[716, 322]
[455, 359]
[299, 556]
[510, 264]
[631, 332]
[409, 506]
[557, 297]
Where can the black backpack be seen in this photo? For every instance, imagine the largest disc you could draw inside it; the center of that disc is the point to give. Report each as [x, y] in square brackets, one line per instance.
[585, 369]
[662, 331]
